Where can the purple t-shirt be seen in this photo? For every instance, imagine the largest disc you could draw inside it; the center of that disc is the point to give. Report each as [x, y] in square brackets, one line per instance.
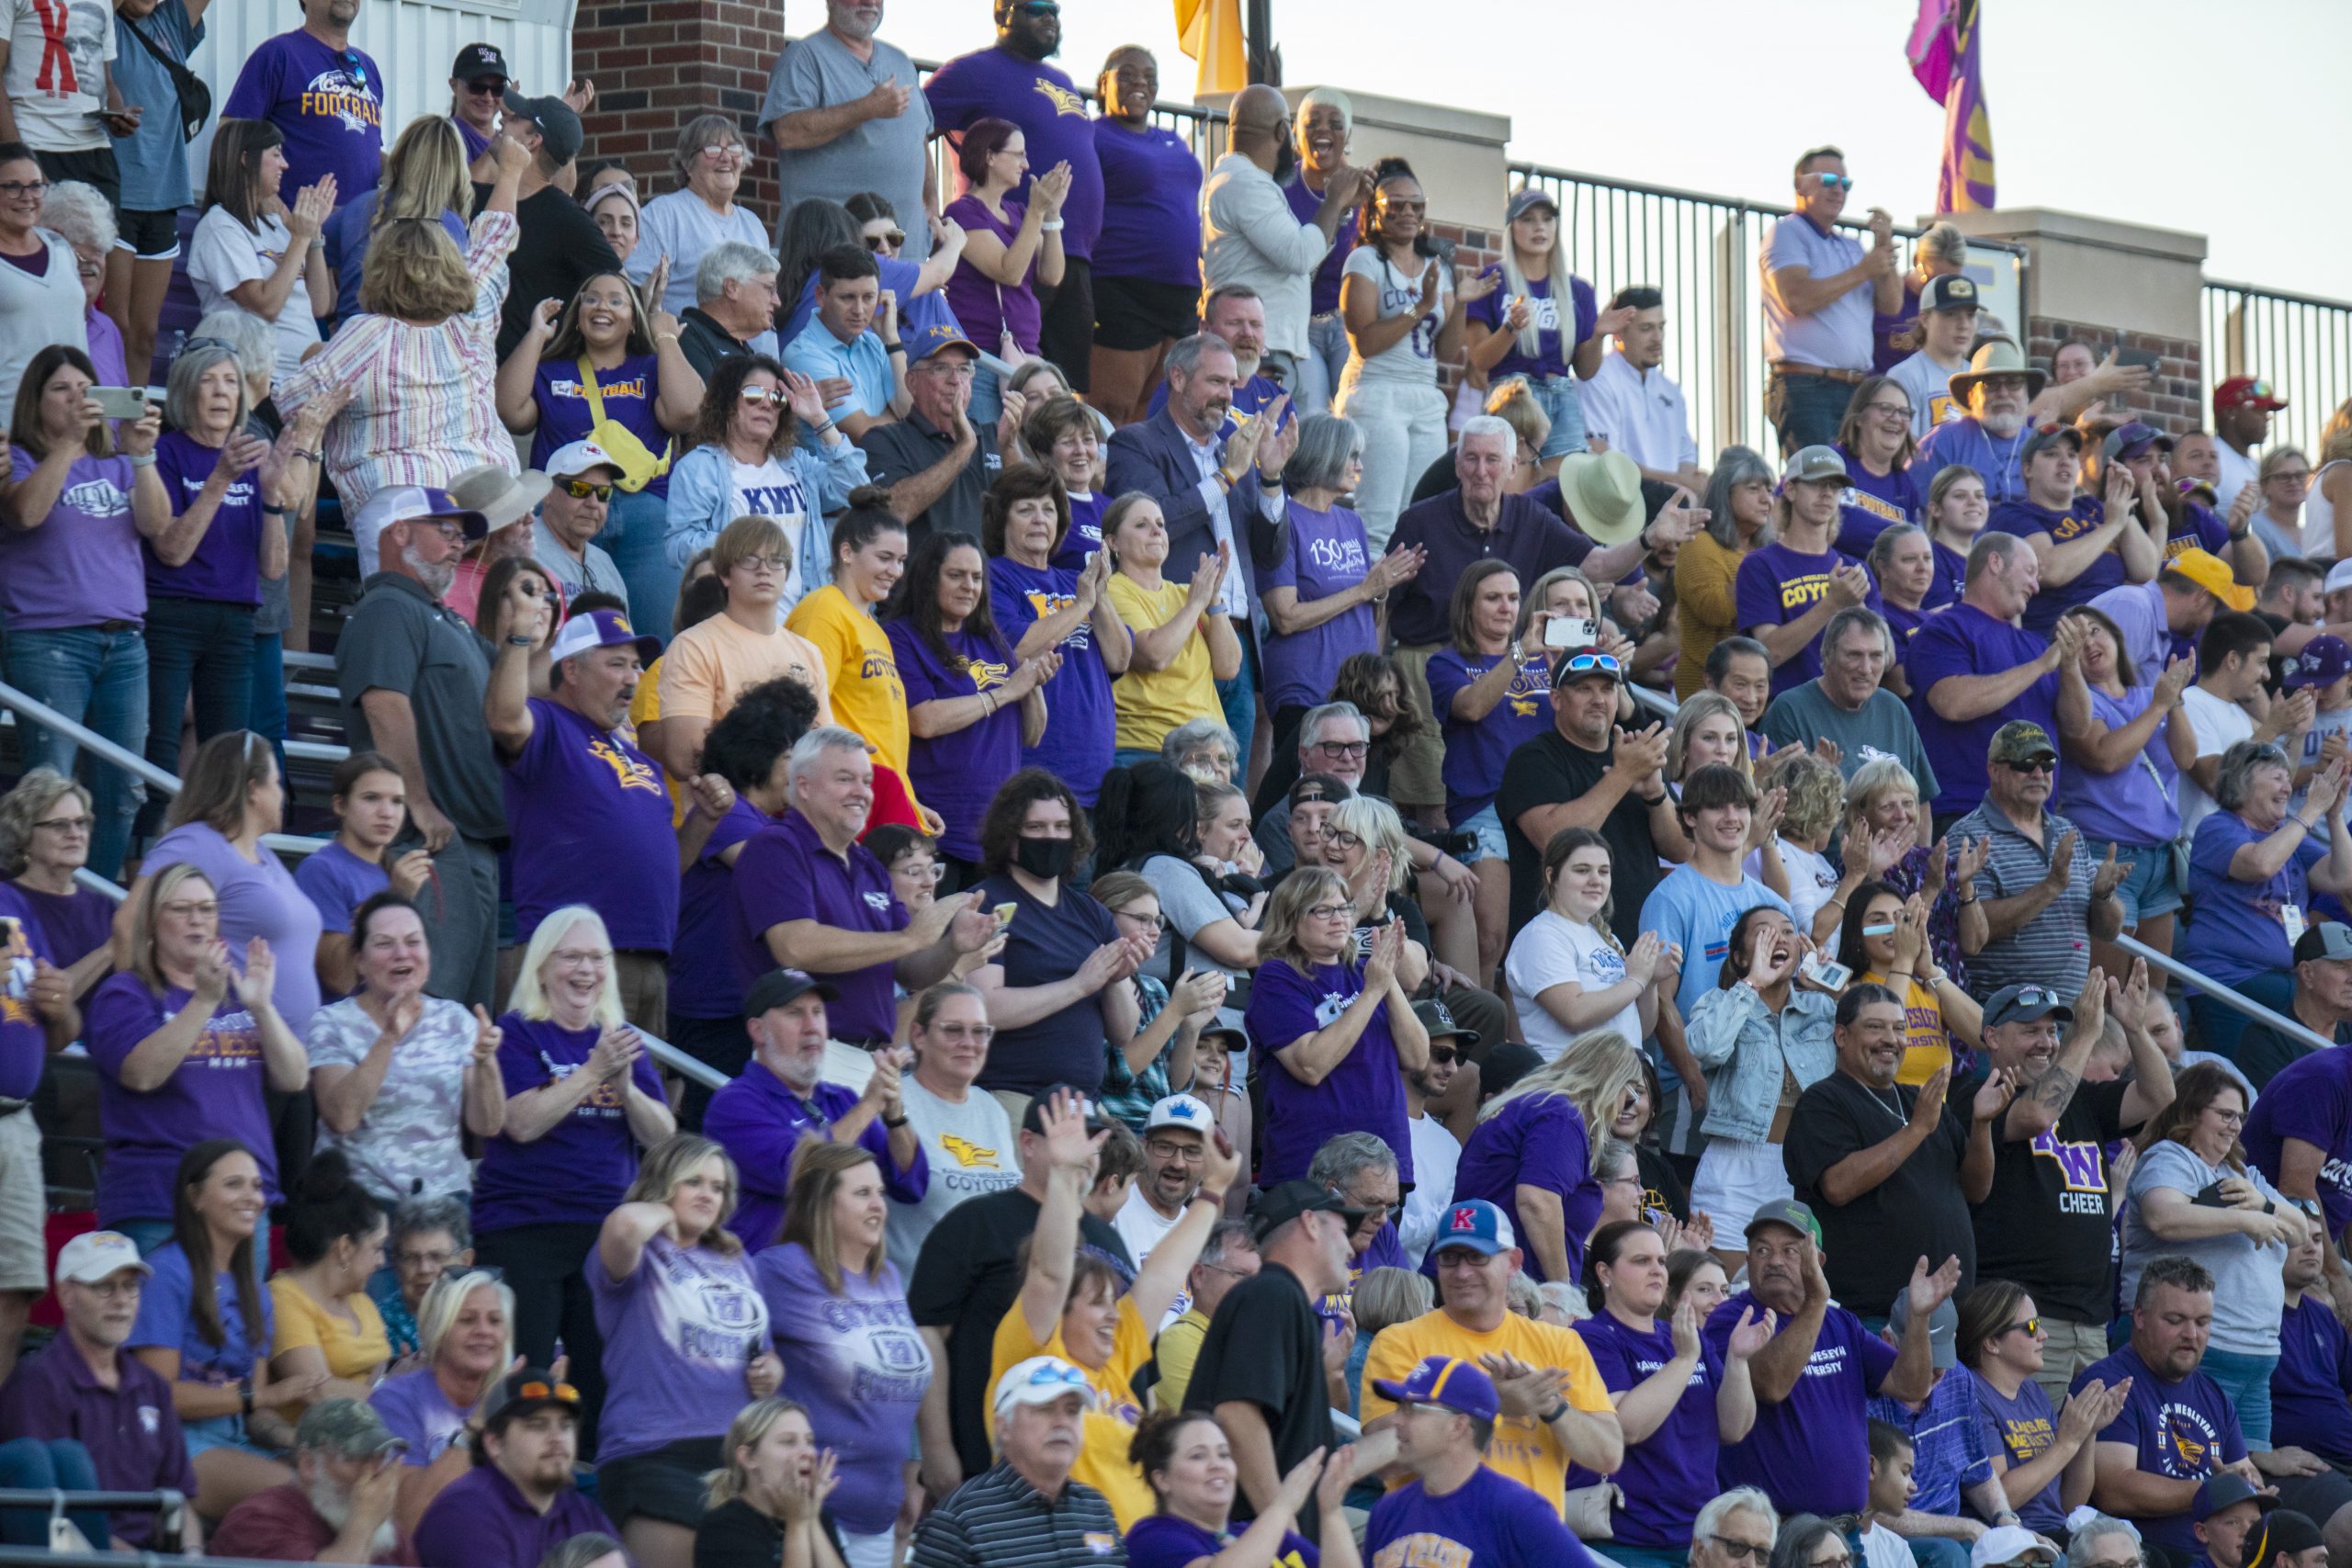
[1085, 536]
[2182, 1431]
[1080, 736]
[76, 924]
[1166, 1541]
[337, 882]
[2311, 1098]
[1475, 753]
[216, 1092]
[1964, 640]
[168, 1319]
[1364, 1092]
[761, 1120]
[1045, 946]
[1043, 101]
[1324, 293]
[1536, 1140]
[988, 308]
[1329, 554]
[677, 1333]
[2240, 931]
[957, 774]
[1552, 347]
[2025, 519]
[786, 873]
[2311, 1380]
[628, 390]
[2021, 1430]
[1892, 497]
[413, 1406]
[592, 826]
[330, 106]
[702, 981]
[860, 1365]
[258, 898]
[1950, 578]
[1669, 1476]
[24, 1038]
[575, 1172]
[1776, 585]
[481, 1521]
[1810, 1452]
[85, 564]
[227, 563]
[2132, 805]
[131, 1431]
[1151, 205]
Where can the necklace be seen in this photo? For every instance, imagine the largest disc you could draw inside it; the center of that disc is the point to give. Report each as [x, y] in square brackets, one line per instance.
[1894, 1110]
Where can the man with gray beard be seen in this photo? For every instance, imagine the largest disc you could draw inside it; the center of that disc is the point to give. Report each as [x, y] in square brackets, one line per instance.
[338, 1507]
[413, 675]
[1994, 389]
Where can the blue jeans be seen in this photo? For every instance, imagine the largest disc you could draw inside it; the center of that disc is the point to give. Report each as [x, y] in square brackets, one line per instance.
[99, 680]
[2218, 1027]
[1562, 399]
[1806, 410]
[1319, 371]
[267, 716]
[45, 1465]
[632, 535]
[205, 648]
[2246, 1380]
[1239, 697]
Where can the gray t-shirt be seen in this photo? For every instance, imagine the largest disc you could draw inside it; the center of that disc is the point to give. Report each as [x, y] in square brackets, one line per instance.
[1883, 728]
[884, 156]
[596, 573]
[2248, 1291]
[401, 639]
[410, 1144]
[1929, 386]
[1189, 903]
[971, 1150]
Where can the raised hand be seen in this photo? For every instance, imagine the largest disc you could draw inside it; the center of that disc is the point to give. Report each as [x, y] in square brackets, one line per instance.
[1686, 1330]
[1387, 948]
[1299, 1486]
[1068, 1146]
[1751, 1332]
[1929, 1107]
[1994, 1096]
[544, 316]
[488, 1036]
[1975, 854]
[2127, 1000]
[260, 976]
[1928, 1290]
[1338, 1473]
[1475, 287]
[657, 287]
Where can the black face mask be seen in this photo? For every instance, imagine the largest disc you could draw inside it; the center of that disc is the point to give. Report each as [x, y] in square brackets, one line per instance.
[1047, 858]
[1286, 161]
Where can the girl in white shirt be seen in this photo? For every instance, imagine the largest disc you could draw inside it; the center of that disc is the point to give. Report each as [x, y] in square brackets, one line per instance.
[1567, 974]
[251, 252]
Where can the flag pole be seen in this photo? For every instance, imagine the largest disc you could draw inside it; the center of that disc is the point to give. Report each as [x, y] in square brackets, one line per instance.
[1265, 59]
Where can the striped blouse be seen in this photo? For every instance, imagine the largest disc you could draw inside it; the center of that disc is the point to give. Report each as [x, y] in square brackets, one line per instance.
[425, 404]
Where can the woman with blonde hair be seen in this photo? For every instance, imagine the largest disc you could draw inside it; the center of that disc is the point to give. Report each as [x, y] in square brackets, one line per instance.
[2327, 505]
[1384, 1298]
[1706, 732]
[2283, 480]
[838, 1308]
[686, 1339]
[767, 1501]
[1536, 1153]
[1812, 798]
[45, 835]
[582, 1099]
[465, 1342]
[1543, 325]
[424, 178]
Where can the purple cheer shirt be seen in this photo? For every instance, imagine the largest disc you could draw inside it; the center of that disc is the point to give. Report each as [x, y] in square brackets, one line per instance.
[216, 1092]
[785, 873]
[575, 1172]
[1363, 1093]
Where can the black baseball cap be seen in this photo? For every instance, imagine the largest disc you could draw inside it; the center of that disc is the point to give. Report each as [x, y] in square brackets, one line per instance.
[782, 988]
[559, 123]
[532, 1388]
[2329, 938]
[1033, 1118]
[1318, 786]
[477, 61]
[1285, 1202]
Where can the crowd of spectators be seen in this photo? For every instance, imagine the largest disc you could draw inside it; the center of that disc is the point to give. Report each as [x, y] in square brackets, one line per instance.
[1108, 867]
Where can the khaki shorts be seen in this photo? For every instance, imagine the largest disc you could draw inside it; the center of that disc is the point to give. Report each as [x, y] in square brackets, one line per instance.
[24, 1214]
[1417, 775]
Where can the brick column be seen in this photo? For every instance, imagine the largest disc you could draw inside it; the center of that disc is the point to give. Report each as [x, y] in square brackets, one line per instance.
[657, 63]
[2172, 400]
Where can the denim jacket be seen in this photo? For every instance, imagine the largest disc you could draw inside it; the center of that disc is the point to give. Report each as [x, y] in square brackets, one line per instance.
[1735, 1036]
[702, 503]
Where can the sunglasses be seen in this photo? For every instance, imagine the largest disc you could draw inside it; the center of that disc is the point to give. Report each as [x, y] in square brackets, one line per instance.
[1064, 1376]
[1741, 1551]
[2033, 765]
[582, 490]
[1037, 9]
[491, 85]
[2031, 1327]
[355, 68]
[878, 243]
[762, 395]
[1836, 182]
[562, 1392]
[1584, 664]
[1443, 1055]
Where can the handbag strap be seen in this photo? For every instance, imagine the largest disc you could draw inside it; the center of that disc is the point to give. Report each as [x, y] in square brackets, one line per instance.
[152, 47]
[595, 393]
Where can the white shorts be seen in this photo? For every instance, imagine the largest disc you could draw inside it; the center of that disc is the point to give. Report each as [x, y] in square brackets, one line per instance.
[1735, 1180]
[24, 1207]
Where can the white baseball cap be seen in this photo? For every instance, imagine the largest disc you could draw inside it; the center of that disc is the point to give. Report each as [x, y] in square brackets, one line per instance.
[1041, 1380]
[1181, 1111]
[2339, 576]
[99, 1255]
[571, 461]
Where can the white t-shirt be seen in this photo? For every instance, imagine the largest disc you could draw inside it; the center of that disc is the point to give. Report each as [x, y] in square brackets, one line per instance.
[771, 489]
[1143, 1227]
[2218, 726]
[58, 96]
[1551, 948]
[1437, 1154]
[970, 1150]
[1412, 357]
[2237, 472]
[223, 253]
[1812, 879]
[1929, 386]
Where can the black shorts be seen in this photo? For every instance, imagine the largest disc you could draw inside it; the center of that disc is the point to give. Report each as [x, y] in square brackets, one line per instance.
[666, 1484]
[1138, 313]
[1065, 335]
[150, 236]
[95, 168]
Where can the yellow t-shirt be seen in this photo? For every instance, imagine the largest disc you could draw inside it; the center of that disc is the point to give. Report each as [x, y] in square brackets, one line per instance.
[1524, 1449]
[1150, 704]
[859, 667]
[297, 1320]
[705, 667]
[1927, 1048]
[1102, 1460]
[1177, 1348]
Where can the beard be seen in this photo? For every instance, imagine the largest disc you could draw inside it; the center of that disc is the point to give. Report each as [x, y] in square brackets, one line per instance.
[332, 1504]
[2003, 425]
[438, 576]
[1285, 159]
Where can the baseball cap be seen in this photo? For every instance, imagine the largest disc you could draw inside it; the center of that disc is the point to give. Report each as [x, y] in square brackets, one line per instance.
[574, 459]
[477, 61]
[559, 123]
[99, 1255]
[1576, 663]
[782, 988]
[2026, 1004]
[1525, 199]
[602, 629]
[347, 1426]
[2248, 391]
[1476, 1223]
[1033, 1118]
[1814, 463]
[2226, 1489]
[1318, 786]
[2005, 1544]
[1439, 1024]
[936, 336]
[1786, 1211]
[1286, 1201]
[532, 1388]
[2324, 659]
[1041, 1380]
[1181, 1111]
[2132, 437]
[1447, 1382]
[2019, 740]
[1943, 1335]
[2329, 938]
[2048, 435]
[1951, 293]
[2339, 577]
[1234, 1030]
[2210, 572]
[409, 503]
[2283, 1533]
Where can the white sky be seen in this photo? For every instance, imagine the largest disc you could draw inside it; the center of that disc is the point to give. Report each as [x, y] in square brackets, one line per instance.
[2219, 117]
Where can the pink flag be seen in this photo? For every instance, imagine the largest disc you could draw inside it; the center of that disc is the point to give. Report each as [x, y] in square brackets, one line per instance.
[1945, 59]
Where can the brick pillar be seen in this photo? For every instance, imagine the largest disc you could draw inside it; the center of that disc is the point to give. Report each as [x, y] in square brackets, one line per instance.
[2172, 400]
[657, 63]
[1475, 248]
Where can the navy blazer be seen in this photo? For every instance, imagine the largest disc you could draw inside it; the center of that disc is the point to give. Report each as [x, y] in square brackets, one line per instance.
[1154, 457]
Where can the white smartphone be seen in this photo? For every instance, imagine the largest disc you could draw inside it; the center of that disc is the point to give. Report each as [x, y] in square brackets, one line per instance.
[1827, 972]
[119, 402]
[1569, 632]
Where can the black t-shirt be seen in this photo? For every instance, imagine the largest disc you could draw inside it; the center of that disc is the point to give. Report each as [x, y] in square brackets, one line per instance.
[559, 248]
[2048, 1221]
[967, 1278]
[1871, 1244]
[737, 1535]
[1549, 771]
[1663, 1191]
[2263, 1051]
[900, 450]
[1265, 1345]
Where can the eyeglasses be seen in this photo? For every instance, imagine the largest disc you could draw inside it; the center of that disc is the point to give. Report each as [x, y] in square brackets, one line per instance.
[2030, 1328]
[1348, 842]
[2292, 476]
[487, 86]
[126, 1284]
[2033, 765]
[1190, 1154]
[1369, 1212]
[580, 957]
[17, 189]
[2234, 1118]
[1348, 749]
[1888, 410]
[777, 566]
[69, 824]
[1835, 181]
[208, 909]
[1841, 1557]
[1329, 911]
[1741, 1551]
[761, 395]
[878, 243]
[718, 154]
[1149, 922]
[582, 489]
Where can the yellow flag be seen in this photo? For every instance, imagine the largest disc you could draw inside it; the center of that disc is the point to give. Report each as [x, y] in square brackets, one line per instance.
[1210, 33]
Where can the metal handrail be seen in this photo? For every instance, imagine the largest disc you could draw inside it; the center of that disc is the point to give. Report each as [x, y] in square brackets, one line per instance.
[2235, 1000]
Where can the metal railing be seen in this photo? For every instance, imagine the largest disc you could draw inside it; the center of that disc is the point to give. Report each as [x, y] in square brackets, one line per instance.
[1203, 129]
[2235, 1000]
[2301, 344]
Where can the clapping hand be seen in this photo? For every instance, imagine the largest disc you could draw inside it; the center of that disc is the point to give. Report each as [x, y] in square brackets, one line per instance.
[1975, 854]
[488, 1036]
[2061, 876]
[2110, 874]
[1764, 822]
[1642, 958]
[2091, 1410]
[312, 206]
[1751, 1332]
[1049, 190]
[1930, 1291]
[240, 454]
[1994, 1095]
[1387, 948]
[1298, 1485]
[1848, 584]
[1523, 1388]
[657, 286]
[617, 1049]
[2122, 492]
[1638, 753]
[260, 976]
[1476, 286]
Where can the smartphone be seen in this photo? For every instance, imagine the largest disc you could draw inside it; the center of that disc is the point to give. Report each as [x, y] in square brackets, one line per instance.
[2147, 359]
[120, 403]
[1827, 972]
[1004, 913]
[1569, 632]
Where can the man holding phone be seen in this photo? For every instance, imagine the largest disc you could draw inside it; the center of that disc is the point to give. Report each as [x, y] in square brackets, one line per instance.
[347, 1475]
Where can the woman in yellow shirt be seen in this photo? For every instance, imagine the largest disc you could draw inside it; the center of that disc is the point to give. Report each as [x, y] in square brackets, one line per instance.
[1885, 941]
[1182, 646]
[1070, 1306]
[325, 1322]
[1739, 519]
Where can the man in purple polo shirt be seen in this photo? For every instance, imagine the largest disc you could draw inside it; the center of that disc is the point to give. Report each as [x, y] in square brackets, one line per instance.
[2085, 544]
[327, 97]
[520, 1499]
[84, 1394]
[1820, 289]
[1012, 81]
[764, 1114]
[809, 896]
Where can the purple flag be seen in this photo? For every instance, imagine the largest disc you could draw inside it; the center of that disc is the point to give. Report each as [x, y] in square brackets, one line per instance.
[1945, 59]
